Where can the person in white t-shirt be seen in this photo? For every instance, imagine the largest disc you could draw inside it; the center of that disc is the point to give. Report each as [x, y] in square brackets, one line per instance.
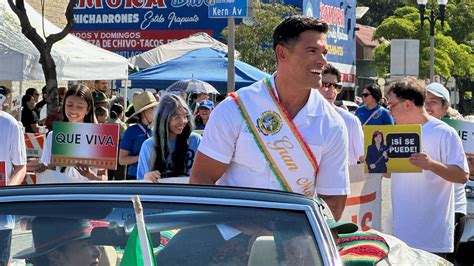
[437, 104]
[331, 86]
[228, 153]
[13, 153]
[78, 107]
[423, 203]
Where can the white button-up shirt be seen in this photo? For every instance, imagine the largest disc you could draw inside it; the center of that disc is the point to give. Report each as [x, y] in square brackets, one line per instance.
[227, 139]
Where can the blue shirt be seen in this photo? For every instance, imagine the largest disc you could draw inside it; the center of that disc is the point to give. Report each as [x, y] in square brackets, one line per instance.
[148, 148]
[381, 118]
[132, 141]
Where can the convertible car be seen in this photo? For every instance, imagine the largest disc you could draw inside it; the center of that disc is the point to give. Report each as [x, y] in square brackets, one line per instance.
[188, 225]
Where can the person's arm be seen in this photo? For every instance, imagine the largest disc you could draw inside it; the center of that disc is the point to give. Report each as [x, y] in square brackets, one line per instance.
[35, 127]
[449, 172]
[126, 159]
[206, 171]
[18, 175]
[336, 203]
[144, 159]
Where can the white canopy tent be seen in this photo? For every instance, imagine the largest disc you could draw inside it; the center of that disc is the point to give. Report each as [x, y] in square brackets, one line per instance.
[176, 49]
[75, 59]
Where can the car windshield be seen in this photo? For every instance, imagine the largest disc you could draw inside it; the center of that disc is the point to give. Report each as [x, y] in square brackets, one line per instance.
[99, 233]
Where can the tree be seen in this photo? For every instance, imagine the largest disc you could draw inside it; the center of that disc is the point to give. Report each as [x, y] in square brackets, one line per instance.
[254, 42]
[380, 10]
[44, 47]
[451, 59]
[462, 26]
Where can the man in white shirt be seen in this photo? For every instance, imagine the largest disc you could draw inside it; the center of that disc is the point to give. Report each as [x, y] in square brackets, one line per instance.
[229, 154]
[331, 86]
[14, 156]
[423, 203]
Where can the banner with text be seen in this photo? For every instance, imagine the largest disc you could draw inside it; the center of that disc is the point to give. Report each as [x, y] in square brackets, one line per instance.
[387, 149]
[85, 143]
[364, 205]
[130, 27]
[465, 131]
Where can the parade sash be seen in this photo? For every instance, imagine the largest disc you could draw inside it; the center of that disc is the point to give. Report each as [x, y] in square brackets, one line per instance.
[290, 158]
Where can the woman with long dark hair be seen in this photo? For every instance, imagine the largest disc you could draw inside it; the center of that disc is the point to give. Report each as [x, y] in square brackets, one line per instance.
[171, 150]
[78, 107]
[144, 105]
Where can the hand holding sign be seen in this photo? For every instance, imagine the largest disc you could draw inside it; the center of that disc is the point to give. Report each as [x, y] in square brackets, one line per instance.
[421, 160]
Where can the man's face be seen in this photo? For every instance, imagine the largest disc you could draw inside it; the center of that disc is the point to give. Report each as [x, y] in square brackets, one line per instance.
[305, 58]
[398, 110]
[80, 253]
[101, 86]
[329, 88]
[434, 106]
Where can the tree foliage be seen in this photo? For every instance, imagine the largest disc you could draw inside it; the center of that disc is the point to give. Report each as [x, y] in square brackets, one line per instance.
[254, 42]
[460, 14]
[380, 10]
[451, 59]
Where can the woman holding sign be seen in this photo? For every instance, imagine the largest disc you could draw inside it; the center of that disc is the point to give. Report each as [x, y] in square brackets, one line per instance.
[78, 107]
[377, 154]
[170, 153]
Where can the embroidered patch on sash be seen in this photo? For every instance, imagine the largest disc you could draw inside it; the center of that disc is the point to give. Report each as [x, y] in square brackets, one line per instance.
[269, 123]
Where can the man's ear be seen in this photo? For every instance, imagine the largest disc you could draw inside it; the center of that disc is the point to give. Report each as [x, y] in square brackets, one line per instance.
[281, 52]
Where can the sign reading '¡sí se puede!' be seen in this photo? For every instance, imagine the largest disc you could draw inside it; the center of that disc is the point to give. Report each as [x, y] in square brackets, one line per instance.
[85, 143]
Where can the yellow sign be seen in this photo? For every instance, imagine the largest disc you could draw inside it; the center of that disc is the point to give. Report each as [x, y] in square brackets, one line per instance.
[387, 149]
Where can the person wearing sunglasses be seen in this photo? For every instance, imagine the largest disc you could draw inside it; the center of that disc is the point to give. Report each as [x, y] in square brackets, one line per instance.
[331, 86]
[372, 113]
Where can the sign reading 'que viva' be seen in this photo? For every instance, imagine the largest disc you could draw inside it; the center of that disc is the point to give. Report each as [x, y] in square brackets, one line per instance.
[85, 143]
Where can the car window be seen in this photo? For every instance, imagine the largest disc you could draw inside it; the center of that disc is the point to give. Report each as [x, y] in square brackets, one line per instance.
[83, 233]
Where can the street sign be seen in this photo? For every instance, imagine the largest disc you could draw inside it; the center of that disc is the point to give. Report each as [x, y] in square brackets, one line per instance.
[227, 8]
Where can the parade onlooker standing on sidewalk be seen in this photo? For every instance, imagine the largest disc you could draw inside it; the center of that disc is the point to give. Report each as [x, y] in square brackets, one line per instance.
[204, 110]
[331, 86]
[13, 153]
[423, 203]
[116, 116]
[372, 113]
[437, 104]
[136, 134]
[245, 133]
[78, 107]
[29, 118]
[171, 150]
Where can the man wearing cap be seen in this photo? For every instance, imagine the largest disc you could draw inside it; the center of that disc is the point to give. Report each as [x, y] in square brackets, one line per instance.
[331, 86]
[280, 133]
[204, 110]
[60, 241]
[423, 203]
[437, 104]
[13, 158]
[136, 134]
[372, 113]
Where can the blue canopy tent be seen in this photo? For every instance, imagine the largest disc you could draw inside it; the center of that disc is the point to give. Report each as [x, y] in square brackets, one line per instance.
[205, 64]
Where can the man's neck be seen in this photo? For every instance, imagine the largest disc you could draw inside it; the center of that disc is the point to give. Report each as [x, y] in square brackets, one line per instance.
[292, 97]
[421, 117]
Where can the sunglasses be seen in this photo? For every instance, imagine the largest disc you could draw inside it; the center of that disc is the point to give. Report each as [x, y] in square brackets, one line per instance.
[365, 95]
[329, 84]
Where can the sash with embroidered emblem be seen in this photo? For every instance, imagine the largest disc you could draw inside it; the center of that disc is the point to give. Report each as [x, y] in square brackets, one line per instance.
[290, 158]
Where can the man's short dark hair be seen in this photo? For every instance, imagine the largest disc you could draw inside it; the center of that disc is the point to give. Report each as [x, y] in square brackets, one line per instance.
[4, 90]
[409, 89]
[332, 70]
[291, 27]
[31, 91]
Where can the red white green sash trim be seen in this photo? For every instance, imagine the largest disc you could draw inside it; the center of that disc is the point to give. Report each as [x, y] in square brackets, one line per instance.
[288, 155]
